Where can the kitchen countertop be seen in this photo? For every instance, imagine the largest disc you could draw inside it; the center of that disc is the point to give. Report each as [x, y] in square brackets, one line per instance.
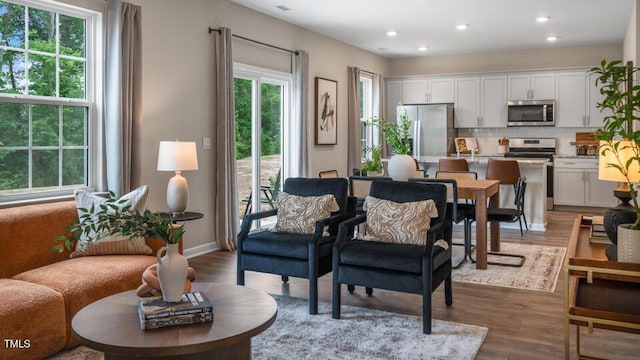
[481, 159]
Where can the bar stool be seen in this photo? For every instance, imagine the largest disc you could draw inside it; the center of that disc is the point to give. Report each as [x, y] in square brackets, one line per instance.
[447, 164]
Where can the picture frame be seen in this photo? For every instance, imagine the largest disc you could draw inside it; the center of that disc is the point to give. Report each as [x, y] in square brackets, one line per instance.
[326, 111]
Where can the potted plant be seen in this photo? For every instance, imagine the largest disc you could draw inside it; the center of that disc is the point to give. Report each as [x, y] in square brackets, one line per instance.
[401, 165]
[112, 218]
[619, 152]
[373, 166]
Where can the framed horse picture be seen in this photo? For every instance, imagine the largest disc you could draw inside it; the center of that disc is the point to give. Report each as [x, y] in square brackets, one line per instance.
[326, 132]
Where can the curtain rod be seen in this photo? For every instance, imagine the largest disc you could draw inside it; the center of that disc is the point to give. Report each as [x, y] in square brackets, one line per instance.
[257, 42]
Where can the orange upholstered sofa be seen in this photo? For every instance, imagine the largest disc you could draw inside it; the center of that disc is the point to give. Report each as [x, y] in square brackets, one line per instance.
[41, 291]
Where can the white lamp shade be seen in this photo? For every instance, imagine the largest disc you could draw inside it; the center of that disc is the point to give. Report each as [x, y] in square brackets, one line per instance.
[177, 156]
[626, 150]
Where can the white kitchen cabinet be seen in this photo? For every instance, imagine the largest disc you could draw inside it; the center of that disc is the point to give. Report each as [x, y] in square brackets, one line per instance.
[531, 86]
[493, 101]
[570, 108]
[481, 102]
[414, 91]
[428, 90]
[440, 90]
[393, 98]
[595, 118]
[576, 183]
[467, 102]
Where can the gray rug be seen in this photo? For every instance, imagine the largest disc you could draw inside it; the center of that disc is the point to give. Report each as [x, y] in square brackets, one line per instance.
[539, 272]
[359, 334]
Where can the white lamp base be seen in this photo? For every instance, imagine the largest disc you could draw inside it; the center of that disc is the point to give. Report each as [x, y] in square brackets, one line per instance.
[177, 194]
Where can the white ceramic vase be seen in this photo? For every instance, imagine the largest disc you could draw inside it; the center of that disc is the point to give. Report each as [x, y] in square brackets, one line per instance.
[628, 244]
[172, 272]
[401, 167]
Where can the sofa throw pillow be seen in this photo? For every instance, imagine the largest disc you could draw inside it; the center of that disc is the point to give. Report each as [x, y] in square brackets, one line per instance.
[111, 245]
[400, 223]
[298, 214]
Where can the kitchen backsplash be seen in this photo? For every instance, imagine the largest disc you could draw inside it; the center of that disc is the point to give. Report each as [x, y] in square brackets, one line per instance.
[487, 139]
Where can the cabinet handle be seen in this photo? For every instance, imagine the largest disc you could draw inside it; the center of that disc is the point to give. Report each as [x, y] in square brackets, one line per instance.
[426, 97]
[588, 121]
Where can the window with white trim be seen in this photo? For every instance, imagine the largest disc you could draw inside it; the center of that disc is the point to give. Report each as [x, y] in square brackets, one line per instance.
[366, 112]
[48, 94]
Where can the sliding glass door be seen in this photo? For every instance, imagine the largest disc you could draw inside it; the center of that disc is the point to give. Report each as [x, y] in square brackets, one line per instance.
[261, 112]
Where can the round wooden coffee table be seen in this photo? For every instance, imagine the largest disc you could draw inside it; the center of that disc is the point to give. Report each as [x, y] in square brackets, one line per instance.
[112, 325]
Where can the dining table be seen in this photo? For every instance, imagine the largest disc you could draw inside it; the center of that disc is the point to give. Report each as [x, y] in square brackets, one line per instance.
[480, 191]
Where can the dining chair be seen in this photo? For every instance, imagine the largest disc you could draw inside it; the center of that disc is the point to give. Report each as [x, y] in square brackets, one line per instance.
[507, 172]
[453, 164]
[457, 213]
[465, 210]
[507, 215]
[328, 174]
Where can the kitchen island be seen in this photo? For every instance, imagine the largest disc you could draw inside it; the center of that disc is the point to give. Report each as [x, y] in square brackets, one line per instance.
[535, 170]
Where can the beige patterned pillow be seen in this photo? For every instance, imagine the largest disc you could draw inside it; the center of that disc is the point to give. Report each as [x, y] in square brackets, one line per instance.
[400, 223]
[112, 245]
[298, 214]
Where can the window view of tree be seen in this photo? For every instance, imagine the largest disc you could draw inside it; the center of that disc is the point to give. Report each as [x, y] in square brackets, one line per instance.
[44, 112]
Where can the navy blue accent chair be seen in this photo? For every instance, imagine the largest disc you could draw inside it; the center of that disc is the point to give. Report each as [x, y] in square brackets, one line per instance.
[417, 269]
[297, 255]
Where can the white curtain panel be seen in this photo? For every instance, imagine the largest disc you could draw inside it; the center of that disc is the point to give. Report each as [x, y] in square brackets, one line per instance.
[298, 152]
[225, 207]
[123, 96]
[354, 146]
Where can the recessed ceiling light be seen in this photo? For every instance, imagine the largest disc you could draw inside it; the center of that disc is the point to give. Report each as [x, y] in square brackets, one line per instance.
[423, 48]
[383, 48]
[552, 38]
[462, 27]
[542, 19]
[283, 8]
[392, 33]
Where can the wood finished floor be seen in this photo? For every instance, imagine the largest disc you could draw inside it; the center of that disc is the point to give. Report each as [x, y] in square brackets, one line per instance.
[522, 324]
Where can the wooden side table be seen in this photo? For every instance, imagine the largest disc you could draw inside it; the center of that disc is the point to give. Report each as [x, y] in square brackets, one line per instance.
[112, 325]
[598, 293]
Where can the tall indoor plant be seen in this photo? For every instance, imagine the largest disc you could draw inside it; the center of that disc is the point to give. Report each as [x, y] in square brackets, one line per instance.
[619, 139]
[112, 217]
[401, 165]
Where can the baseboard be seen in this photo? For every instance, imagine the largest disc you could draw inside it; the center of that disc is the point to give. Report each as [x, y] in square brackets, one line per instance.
[200, 250]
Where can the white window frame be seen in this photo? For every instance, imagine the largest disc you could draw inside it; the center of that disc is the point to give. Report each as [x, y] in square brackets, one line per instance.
[367, 138]
[93, 99]
[269, 76]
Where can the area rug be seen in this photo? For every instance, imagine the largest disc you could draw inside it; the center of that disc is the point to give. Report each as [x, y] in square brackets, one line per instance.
[360, 334]
[538, 273]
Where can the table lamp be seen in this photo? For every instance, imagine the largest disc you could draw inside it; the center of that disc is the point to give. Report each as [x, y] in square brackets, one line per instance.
[177, 156]
[623, 213]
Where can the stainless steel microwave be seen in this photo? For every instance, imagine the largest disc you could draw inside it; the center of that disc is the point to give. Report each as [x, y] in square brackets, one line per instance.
[531, 113]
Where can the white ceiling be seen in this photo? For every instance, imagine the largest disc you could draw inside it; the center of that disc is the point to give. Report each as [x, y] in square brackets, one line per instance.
[494, 25]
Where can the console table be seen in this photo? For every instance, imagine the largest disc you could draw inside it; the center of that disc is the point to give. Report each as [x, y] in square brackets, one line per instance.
[598, 293]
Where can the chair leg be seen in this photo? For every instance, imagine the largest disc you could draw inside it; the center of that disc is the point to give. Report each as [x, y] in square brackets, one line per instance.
[448, 293]
[285, 278]
[520, 222]
[426, 311]
[525, 221]
[369, 291]
[335, 302]
[240, 277]
[351, 288]
[313, 296]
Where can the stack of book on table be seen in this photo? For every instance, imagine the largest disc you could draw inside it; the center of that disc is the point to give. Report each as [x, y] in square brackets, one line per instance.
[597, 233]
[194, 308]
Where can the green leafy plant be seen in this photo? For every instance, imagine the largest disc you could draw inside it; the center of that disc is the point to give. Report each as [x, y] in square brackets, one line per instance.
[622, 99]
[375, 163]
[110, 218]
[396, 135]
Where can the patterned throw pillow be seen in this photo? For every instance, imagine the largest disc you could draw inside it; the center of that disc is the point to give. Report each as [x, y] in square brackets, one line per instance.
[111, 245]
[298, 214]
[400, 223]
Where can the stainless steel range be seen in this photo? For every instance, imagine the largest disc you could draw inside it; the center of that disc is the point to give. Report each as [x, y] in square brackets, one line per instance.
[536, 148]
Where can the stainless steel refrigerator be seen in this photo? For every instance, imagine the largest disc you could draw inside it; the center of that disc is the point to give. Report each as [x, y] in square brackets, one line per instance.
[432, 129]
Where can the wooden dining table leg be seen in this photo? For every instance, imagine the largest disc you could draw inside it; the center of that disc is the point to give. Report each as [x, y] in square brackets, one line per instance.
[481, 230]
[494, 201]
